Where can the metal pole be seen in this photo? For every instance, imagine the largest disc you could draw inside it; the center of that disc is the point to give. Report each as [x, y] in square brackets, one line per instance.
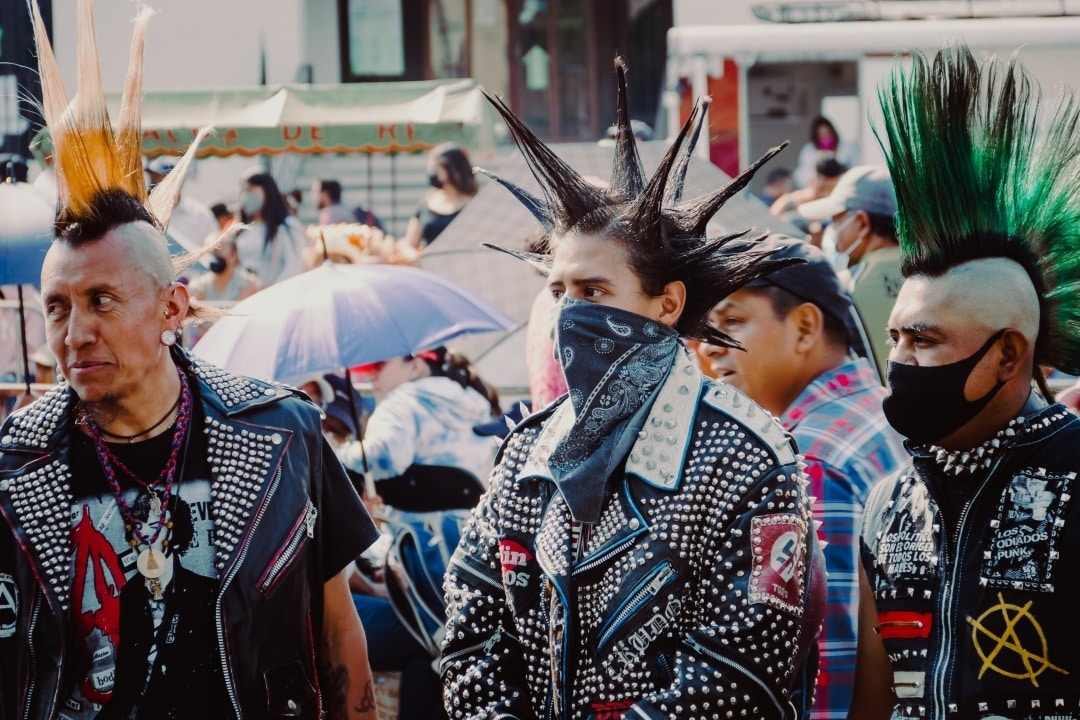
[22, 334]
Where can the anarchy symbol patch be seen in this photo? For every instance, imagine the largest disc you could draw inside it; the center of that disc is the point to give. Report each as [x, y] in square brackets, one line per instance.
[1011, 642]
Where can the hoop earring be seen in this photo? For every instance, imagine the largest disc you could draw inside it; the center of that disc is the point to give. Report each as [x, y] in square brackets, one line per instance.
[168, 337]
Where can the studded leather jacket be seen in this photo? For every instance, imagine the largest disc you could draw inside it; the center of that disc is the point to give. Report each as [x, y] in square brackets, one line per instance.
[978, 616]
[700, 590]
[266, 455]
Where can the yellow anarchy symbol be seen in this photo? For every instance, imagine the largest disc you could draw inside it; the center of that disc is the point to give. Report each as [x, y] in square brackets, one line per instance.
[1009, 616]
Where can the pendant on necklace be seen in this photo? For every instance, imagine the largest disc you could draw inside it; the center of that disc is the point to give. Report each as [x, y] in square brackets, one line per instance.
[155, 504]
[153, 586]
[151, 564]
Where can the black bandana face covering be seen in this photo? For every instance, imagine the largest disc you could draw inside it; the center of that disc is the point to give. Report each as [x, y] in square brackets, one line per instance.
[614, 362]
[927, 403]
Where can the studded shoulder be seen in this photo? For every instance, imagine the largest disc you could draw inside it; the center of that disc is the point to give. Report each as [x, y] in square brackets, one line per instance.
[234, 393]
[756, 419]
[34, 426]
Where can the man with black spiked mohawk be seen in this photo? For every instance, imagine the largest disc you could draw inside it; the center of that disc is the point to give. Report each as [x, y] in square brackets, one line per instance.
[173, 537]
[971, 554]
[646, 547]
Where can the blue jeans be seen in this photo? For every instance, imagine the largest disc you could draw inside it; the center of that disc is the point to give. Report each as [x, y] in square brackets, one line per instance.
[392, 649]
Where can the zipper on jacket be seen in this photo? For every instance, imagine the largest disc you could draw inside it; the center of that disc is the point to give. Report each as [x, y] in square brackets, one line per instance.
[302, 531]
[584, 567]
[947, 603]
[34, 612]
[477, 575]
[219, 619]
[698, 647]
[648, 588]
[487, 646]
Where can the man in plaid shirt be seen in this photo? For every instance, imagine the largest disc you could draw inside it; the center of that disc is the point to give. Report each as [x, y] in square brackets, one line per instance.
[804, 361]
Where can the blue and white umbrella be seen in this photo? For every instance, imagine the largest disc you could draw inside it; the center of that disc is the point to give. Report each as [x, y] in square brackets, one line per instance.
[338, 316]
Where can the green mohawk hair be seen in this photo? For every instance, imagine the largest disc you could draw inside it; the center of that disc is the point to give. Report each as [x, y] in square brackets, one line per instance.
[979, 173]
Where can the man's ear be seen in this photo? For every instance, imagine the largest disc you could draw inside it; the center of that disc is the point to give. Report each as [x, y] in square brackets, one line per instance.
[1014, 350]
[672, 301]
[177, 300]
[810, 325]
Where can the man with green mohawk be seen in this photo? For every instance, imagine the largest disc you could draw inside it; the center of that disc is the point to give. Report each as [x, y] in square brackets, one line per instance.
[969, 554]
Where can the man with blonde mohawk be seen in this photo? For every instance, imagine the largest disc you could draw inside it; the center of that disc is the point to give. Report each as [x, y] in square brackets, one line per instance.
[174, 536]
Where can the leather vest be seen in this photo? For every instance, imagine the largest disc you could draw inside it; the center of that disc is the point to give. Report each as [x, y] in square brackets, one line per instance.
[978, 617]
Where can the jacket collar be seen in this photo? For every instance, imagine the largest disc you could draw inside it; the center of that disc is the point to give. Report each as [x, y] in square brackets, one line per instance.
[658, 453]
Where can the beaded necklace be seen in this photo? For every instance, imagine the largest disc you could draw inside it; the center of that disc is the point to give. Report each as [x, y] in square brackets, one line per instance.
[151, 562]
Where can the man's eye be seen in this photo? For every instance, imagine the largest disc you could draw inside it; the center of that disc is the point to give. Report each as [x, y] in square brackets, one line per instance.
[556, 292]
[593, 292]
[732, 321]
[102, 300]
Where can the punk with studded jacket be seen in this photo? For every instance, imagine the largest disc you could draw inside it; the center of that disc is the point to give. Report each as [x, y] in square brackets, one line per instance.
[698, 592]
[973, 563]
[285, 520]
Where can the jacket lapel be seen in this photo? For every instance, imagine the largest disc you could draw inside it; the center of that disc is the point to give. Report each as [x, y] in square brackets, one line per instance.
[244, 458]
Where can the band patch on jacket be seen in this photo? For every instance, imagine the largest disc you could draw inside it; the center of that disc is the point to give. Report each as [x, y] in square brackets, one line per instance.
[1022, 551]
[907, 548]
[9, 605]
[515, 559]
[779, 545]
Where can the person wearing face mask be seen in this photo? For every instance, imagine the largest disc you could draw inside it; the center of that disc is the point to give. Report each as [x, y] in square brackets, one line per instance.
[860, 242]
[273, 244]
[646, 547]
[825, 142]
[970, 554]
[451, 177]
[228, 280]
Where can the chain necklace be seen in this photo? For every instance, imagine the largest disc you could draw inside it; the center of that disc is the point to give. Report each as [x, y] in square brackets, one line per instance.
[151, 561]
[84, 418]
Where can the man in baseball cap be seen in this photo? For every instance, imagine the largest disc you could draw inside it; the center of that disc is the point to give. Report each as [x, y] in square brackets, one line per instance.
[801, 361]
[860, 242]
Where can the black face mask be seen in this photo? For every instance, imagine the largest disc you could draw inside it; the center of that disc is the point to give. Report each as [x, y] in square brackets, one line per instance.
[433, 179]
[927, 403]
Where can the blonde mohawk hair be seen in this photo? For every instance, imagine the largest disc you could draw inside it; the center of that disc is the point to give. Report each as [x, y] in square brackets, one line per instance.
[99, 173]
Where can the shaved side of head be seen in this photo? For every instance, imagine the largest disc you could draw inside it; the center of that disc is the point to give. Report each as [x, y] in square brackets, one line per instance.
[987, 294]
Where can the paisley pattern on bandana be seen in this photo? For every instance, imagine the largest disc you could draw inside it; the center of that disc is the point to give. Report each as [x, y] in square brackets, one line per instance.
[614, 362]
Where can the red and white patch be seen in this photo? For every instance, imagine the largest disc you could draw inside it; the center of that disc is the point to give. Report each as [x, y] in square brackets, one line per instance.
[514, 558]
[779, 571]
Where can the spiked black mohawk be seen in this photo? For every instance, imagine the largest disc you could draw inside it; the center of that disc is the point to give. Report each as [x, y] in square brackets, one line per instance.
[664, 235]
[980, 173]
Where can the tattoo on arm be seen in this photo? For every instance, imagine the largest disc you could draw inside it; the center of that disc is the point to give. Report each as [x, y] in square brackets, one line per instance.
[367, 702]
[335, 691]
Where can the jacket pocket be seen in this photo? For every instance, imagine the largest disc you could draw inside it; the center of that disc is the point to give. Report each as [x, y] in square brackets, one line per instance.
[289, 692]
[647, 589]
[299, 535]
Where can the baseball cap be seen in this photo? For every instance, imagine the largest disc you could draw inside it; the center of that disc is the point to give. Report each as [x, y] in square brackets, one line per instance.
[863, 187]
[814, 281]
[163, 165]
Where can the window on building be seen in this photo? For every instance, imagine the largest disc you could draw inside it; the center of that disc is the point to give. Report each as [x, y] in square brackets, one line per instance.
[384, 40]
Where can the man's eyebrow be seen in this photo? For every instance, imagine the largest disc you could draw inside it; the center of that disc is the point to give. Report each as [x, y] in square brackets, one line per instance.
[921, 329]
[595, 280]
